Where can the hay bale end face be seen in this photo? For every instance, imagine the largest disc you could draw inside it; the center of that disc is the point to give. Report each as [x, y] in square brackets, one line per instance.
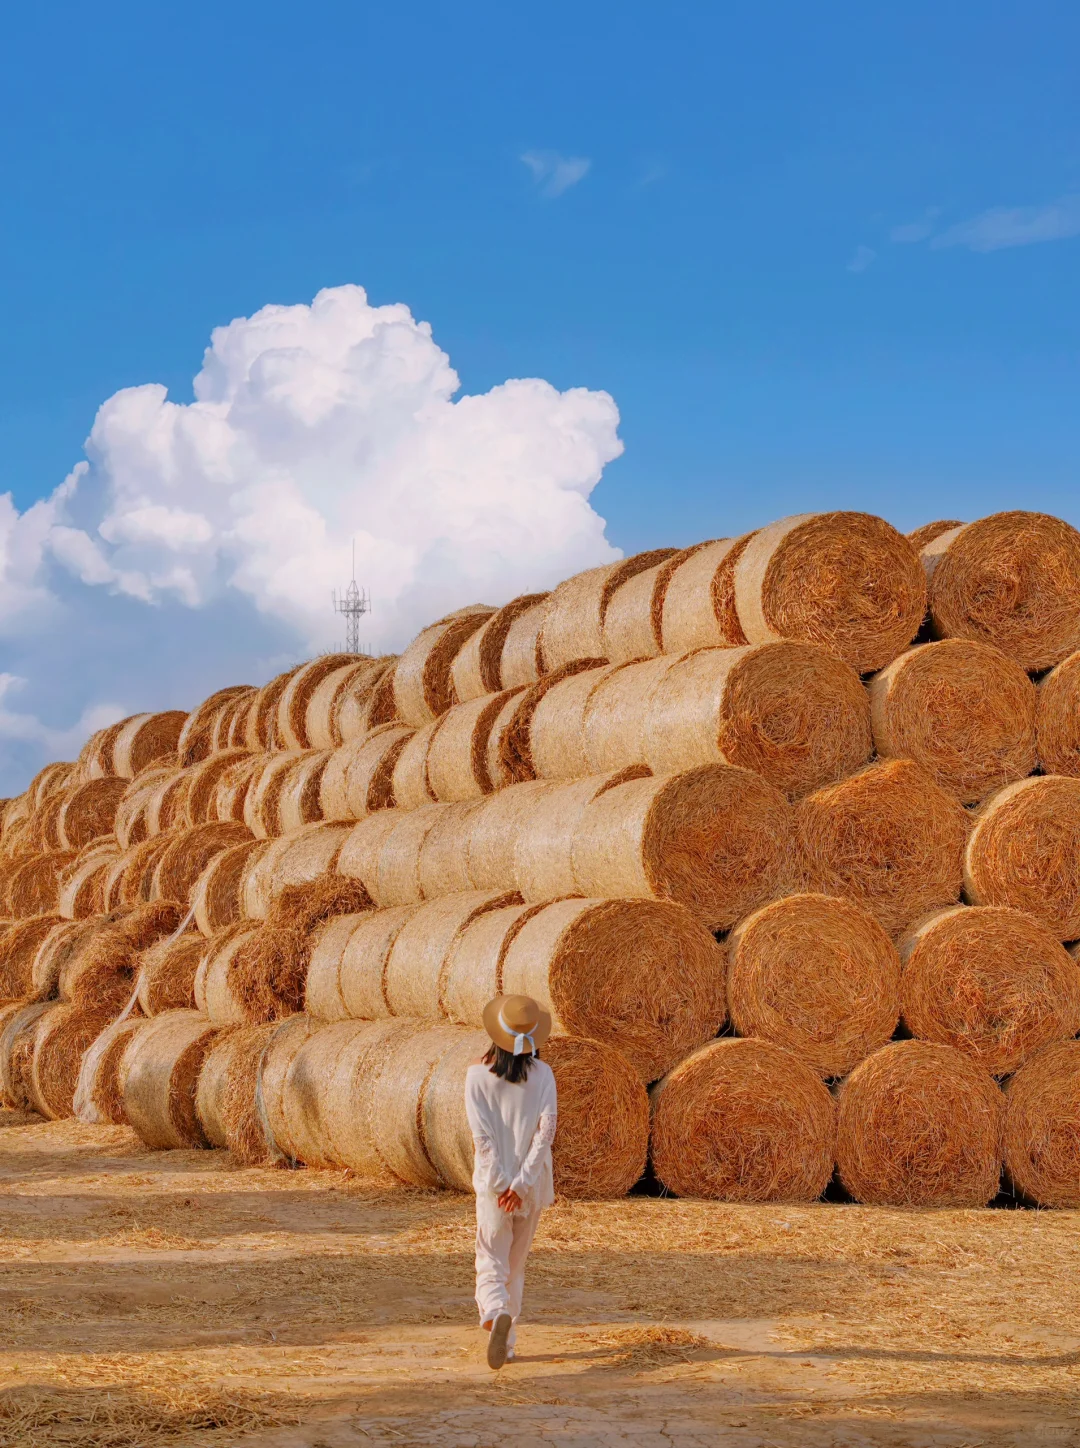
[88, 812]
[1057, 719]
[1042, 1127]
[920, 1125]
[62, 1036]
[743, 1121]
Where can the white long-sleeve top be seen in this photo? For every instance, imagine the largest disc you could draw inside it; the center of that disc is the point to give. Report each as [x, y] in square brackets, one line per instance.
[513, 1126]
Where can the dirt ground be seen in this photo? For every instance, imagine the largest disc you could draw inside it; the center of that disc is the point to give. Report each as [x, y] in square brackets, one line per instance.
[169, 1298]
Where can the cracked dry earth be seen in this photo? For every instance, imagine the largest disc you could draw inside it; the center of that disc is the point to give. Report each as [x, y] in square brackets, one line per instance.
[168, 1298]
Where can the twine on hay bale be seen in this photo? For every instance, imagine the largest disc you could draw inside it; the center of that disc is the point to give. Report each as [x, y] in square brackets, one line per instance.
[62, 1036]
[298, 798]
[743, 1121]
[409, 781]
[367, 701]
[889, 838]
[1057, 718]
[88, 812]
[699, 603]
[166, 974]
[1024, 851]
[1042, 1127]
[158, 1076]
[263, 792]
[423, 688]
[295, 859]
[963, 710]
[213, 1083]
[552, 744]
[818, 976]
[642, 976]
[920, 1125]
[101, 970]
[359, 777]
[16, 1052]
[444, 861]
[34, 887]
[18, 948]
[147, 739]
[519, 664]
[215, 996]
[848, 581]
[473, 967]
[98, 1099]
[540, 843]
[920, 537]
[1011, 580]
[293, 704]
[217, 895]
[413, 971]
[477, 669]
[205, 778]
[188, 855]
[457, 756]
[573, 626]
[992, 982]
[196, 737]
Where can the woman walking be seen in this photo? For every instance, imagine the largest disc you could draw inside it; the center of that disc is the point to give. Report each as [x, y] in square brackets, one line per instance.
[510, 1103]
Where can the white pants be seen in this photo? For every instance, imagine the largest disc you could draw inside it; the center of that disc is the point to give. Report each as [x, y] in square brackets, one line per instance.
[502, 1246]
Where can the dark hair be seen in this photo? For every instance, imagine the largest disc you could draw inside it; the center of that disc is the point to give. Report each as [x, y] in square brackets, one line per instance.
[510, 1067]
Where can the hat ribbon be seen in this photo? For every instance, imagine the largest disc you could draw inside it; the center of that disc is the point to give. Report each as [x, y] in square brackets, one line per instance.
[520, 1037]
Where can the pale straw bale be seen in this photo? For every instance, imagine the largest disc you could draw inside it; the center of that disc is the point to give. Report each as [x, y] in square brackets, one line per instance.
[699, 603]
[423, 688]
[477, 669]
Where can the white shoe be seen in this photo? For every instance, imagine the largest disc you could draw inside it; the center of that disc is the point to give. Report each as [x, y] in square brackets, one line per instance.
[497, 1349]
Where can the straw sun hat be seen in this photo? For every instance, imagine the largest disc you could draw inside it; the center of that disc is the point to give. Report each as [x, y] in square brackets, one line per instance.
[517, 1024]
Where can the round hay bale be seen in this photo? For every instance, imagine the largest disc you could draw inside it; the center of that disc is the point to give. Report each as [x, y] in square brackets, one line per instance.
[167, 808]
[367, 701]
[100, 971]
[920, 1125]
[188, 854]
[34, 886]
[273, 1067]
[444, 1127]
[264, 791]
[1057, 718]
[888, 838]
[818, 976]
[96, 759]
[791, 712]
[642, 976]
[1024, 851]
[166, 974]
[98, 1099]
[743, 1121]
[456, 767]
[16, 1052]
[295, 859]
[400, 1076]
[19, 946]
[473, 967]
[217, 896]
[298, 798]
[359, 776]
[633, 617]
[409, 782]
[232, 788]
[159, 1073]
[699, 609]
[613, 721]
[493, 831]
[322, 986]
[358, 858]
[131, 823]
[293, 704]
[1011, 580]
[397, 872]
[216, 996]
[423, 688]
[50, 780]
[927, 532]
[129, 879]
[237, 1107]
[361, 966]
[1042, 1137]
[235, 722]
[550, 740]
[213, 1083]
[321, 714]
[7, 1013]
[147, 739]
[717, 839]
[261, 729]
[991, 982]
[44, 824]
[477, 669]
[306, 1098]
[347, 1090]
[196, 737]
[444, 861]
[61, 943]
[848, 581]
[61, 1038]
[539, 847]
[519, 664]
[573, 626]
[413, 973]
[205, 778]
[963, 710]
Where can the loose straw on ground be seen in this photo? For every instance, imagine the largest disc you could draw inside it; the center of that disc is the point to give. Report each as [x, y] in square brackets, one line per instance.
[743, 1121]
[1057, 719]
[962, 709]
[1042, 1139]
[920, 1125]
[990, 981]
[1024, 851]
[818, 976]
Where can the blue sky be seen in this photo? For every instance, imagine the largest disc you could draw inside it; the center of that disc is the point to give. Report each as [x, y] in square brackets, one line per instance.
[819, 256]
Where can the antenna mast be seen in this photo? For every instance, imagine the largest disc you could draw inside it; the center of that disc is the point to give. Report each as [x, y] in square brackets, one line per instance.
[352, 606]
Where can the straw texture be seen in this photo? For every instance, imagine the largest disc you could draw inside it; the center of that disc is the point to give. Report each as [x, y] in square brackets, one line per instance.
[16, 1052]
[409, 783]
[534, 835]
[1024, 851]
[217, 895]
[573, 626]
[205, 778]
[321, 715]
[699, 603]
[100, 971]
[473, 968]
[457, 762]
[519, 664]
[19, 945]
[477, 669]
[215, 994]
[359, 777]
[62, 1035]
[213, 1083]
[260, 1058]
[187, 856]
[305, 1097]
[413, 973]
[98, 1097]
[444, 861]
[159, 1074]
[1057, 719]
[368, 701]
[87, 812]
[264, 792]
[147, 739]
[920, 537]
[293, 705]
[632, 620]
[423, 688]
[509, 751]
[1042, 1139]
[296, 859]
[58, 947]
[298, 797]
[166, 974]
[347, 1094]
[399, 1080]
[34, 886]
[743, 1121]
[556, 731]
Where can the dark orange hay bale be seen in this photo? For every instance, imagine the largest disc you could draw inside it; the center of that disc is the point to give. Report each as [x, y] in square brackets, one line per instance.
[889, 838]
[218, 894]
[298, 798]
[1042, 1127]
[17, 1050]
[848, 581]
[215, 995]
[293, 704]
[573, 626]
[1012, 580]
[642, 976]
[166, 974]
[158, 1076]
[295, 859]
[44, 824]
[167, 807]
[18, 948]
[920, 537]
[1057, 718]
[96, 759]
[63, 1035]
[477, 669]
[147, 739]
[920, 1125]
[205, 778]
[359, 776]
[456, 766]
[187, 855]
[990, 981]
[367, 701]
[61, 943]
[818, 976]
[196, 737]
[413, 970]
[963, 710]
[231, 791]
[129, 879]
[101, 970]
[423, 688]
[233, 722]
[250, 1110]
[1024, 851]
[34, 887]
[699, 603]
[743, 1121]
[519, 664]
[8, 1013]
[131, 822]
[409, 782]
[98, 1097]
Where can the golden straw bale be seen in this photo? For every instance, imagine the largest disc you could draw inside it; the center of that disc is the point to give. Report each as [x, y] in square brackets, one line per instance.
[510, 759]
[347, 1094]
[213, 1083]
[298, 797]
[62, 1036]
[613, 720]
[641, 975]
[718, 839]
[818, 976]
[889, 838]
[1024, 851]
[920, 1125]
[234, 722]
[44, 823]
[397, 869]
[501, 725]
[261, 731]
[457, 755]
[473, 967]
[287, 1038]
[1042, 1136]
[305, 1097]
[293, 704]
[444, 861]
[129, 878]
[322, 988]
[444, 1127]
[19, 946]
[699, 608]
[361, 966]
[493, 830]
[8, 1013]
[519, 663]
[241, 1111]
[98, 1099]
[423, 688]
[96, 758]
[147, 739]
[992, 982]
[264, 791]
[409, 781]
[158, 1076]
[962, 709]
[101, 969]
[50, 780]
[554, 735]
[477, 669]
[743, 1121]
[188, 854]
[205, 778]
[367, 700]
[217, 896]
[573, 626]
[597, 1153]
[166, 974]
[17, 1050]
[413, 973]
[61, 943]
[359, 776]
[848, 581]
[320, 715]
[1057, 718]
[927, 532]
[196, 737]
[1011, 580]
[792, 712]
[632, 621]
[131, 821]
[231, 791]
[538, 847]
[34, 887]
[215, 994]
[295, 859]
[167, 807]
[358, 858]
[399, 1078]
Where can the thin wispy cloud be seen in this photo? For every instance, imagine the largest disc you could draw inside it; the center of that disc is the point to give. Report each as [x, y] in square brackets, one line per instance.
[1005, 226]
[863, 257]
[553, 173]
[912, 231]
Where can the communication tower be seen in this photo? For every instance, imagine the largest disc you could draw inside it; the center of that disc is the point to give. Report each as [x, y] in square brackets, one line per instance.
[352, 605]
